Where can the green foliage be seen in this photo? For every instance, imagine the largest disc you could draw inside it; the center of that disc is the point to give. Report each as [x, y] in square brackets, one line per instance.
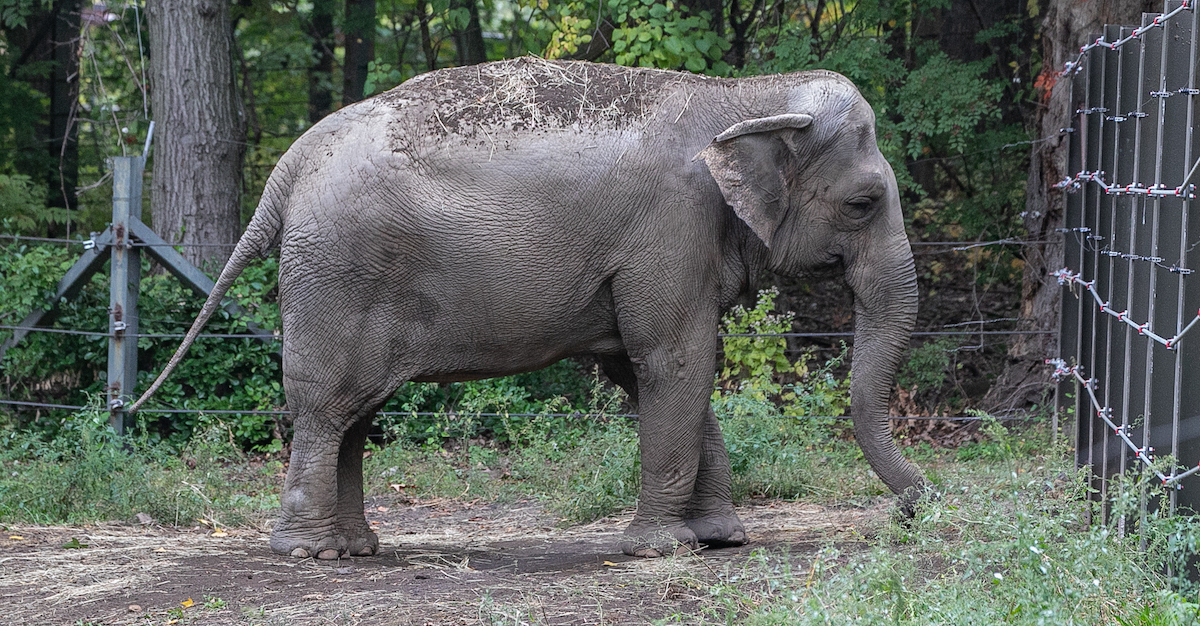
[430, 413]
[663, 35]
[1012, 547]
[756, 358]
[648, 33]
[379, 74]
[15, 13]
[23, 204]
[945, 100]
[67, 369]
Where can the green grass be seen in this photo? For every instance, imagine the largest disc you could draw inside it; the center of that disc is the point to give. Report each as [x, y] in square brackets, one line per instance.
[87, 474]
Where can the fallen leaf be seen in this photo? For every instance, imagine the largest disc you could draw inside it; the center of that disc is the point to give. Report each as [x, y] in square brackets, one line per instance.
[15, 537]
[610, 564]
[381, 509]
[133, 608]
[203, 521]
[187, 603]
[220, 533]
[160, 549]
[74, 544]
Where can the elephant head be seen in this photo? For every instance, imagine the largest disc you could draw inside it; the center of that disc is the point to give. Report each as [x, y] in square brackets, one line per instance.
[815, 189]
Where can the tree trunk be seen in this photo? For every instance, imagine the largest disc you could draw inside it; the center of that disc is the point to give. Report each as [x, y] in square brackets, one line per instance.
[360, 48]
[426, 41]
[52, 37]
[199, 136]
[468, 43]
[1067, 25]
[320, 75]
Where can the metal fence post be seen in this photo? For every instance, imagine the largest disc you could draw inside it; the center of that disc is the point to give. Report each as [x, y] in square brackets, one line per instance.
[126, 266]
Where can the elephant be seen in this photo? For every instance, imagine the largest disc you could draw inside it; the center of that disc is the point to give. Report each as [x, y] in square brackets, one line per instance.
[489, 220]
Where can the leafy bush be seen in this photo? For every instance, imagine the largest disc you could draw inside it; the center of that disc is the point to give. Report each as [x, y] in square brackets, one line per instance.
[757, 371]
[218, 374]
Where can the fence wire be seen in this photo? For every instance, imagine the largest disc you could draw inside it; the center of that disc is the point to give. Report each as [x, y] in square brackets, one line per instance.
[578, 415]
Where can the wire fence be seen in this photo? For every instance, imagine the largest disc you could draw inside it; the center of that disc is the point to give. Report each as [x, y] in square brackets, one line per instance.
[1127, 365]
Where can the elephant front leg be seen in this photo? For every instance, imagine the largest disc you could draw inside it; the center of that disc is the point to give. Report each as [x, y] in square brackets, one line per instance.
[710, 511]
[673, 392]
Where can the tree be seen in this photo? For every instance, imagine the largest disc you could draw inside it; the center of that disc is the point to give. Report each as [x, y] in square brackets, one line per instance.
[320, 74]
[47, 47]
[199, 137]
[468, 41]
[1067, 25]
[360, 48]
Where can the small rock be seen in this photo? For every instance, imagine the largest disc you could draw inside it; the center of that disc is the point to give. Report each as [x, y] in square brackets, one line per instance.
[144, 520]
[133, 608]
[344, 570]
[422, 576]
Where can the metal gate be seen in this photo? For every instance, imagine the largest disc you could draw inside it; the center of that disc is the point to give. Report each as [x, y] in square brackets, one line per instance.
[1130, 346]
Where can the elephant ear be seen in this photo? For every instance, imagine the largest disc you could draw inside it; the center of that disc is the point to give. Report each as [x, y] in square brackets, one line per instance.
[747, 162]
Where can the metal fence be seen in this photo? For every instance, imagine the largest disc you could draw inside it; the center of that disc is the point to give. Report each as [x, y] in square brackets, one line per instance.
[1130, 352]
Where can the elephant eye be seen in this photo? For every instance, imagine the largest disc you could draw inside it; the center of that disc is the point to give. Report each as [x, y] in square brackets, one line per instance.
[859, 207]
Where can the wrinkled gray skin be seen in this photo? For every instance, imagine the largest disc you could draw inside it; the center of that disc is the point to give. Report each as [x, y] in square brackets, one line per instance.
[490, 220]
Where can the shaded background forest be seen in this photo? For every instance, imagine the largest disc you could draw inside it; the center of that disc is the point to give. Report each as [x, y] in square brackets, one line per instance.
[961, 89]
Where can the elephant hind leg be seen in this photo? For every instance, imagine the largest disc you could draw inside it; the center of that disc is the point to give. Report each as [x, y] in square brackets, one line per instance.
[710, 511]
[351, 522]
[321, 508]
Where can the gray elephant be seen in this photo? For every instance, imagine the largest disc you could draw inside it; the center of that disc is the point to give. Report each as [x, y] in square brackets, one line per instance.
[489, 220]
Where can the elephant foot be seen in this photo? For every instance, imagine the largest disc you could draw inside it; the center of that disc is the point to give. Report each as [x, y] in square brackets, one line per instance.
[913, 499]
[360, 539]
[719, 530]
[311, 543]
[347, 538]
[656, 539]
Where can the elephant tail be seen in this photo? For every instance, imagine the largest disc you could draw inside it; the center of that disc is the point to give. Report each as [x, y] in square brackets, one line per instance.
[261, 236]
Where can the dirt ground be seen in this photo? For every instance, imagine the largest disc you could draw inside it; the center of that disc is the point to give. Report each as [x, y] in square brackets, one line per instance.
[441, 562]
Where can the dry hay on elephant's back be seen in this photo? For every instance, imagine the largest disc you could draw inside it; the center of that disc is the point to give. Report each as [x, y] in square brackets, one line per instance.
[530, 93]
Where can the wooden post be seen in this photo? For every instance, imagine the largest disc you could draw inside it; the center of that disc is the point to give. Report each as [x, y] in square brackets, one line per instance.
[126, 266]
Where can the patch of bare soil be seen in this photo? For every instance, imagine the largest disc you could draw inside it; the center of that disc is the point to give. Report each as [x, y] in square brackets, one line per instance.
[441, 562]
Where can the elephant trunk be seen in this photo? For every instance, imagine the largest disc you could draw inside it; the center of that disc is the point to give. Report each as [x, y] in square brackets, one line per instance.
[884, 282]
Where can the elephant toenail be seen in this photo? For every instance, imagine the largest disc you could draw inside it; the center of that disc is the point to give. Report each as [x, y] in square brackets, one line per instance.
[328, 554]
[300, 553]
